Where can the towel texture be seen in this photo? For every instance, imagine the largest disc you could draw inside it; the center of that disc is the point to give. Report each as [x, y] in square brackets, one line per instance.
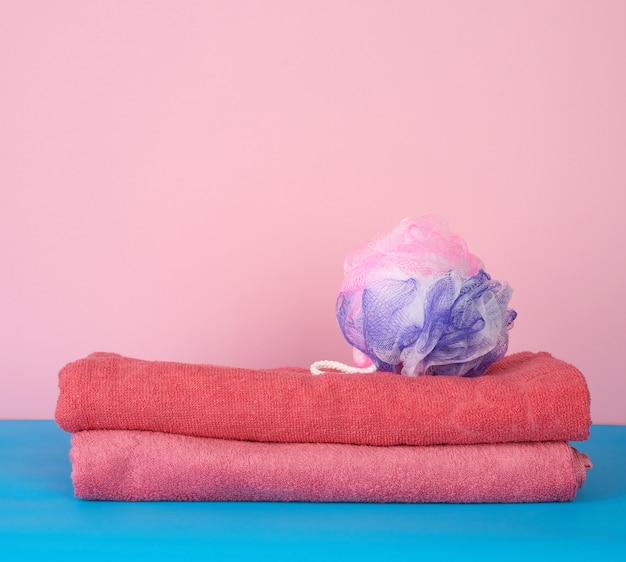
[139, 465]
[523, 397]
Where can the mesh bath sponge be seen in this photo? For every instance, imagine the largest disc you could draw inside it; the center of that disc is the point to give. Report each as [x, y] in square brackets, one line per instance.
[417, 302]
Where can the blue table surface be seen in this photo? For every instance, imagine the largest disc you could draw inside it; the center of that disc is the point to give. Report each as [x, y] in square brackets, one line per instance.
[40, 519]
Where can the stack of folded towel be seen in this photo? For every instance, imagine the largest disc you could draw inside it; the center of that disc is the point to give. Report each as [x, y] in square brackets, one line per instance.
[150, 430]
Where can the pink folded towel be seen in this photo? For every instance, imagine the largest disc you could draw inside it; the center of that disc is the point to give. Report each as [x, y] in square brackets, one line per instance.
[523, 397]
[148, 466]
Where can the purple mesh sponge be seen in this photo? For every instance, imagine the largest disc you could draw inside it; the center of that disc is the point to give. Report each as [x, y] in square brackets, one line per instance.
[417, 302]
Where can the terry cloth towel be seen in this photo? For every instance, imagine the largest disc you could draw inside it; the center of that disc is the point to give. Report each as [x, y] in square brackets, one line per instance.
[523, 397]
[149, 466]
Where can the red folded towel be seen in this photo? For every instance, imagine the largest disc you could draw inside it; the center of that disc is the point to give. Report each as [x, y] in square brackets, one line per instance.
[140, 466]
[523, 397]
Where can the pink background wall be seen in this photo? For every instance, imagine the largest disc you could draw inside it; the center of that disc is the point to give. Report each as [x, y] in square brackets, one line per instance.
[181, 180]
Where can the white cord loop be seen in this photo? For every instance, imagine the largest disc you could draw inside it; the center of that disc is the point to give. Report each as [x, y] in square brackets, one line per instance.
[321, 367]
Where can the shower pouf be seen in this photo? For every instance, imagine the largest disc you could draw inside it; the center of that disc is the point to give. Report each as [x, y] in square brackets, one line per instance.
[417, 302]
